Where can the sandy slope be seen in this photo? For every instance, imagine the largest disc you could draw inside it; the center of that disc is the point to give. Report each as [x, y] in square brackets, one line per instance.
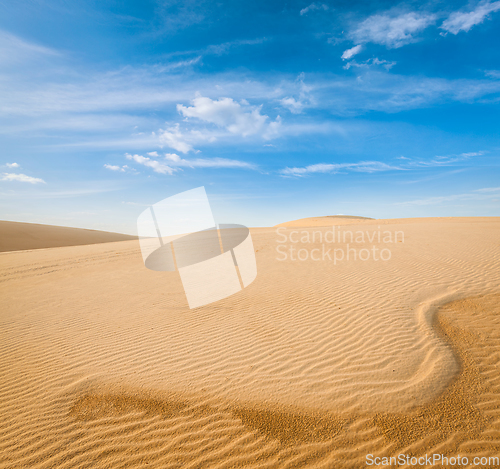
[15, 236]
[315, 364]
[326, 221]
[336, 220]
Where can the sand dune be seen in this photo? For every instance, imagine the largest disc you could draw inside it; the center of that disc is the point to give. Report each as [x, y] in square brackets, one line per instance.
[316, 364]
[15, 236]
[326, 221]
[339, 220]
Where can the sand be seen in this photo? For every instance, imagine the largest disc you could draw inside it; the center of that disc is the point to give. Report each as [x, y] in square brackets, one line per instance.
[328, 220]
[315, 364]
[16, 236]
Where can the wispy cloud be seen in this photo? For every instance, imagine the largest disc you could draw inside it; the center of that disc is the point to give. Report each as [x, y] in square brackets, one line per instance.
[225, 47]
[312, 7]
[173, 137]
[445, 160]
[389, 92]
[176, 160]
[394, 29]
[12, 165]
[155, 165]
[362, 167]
[172, 162]
[103, 187]
[465, 20]
[303, 97]
[295, 107]
[174, 15]
[472, 153]
[390, 29]
[478, 194]
[20, 178]
[433, 176]
[489, 189]
[114, 167]
[14, 49]
[370, 63]
[212, 49]
[375, 166]
[137, 204]
[352, 52]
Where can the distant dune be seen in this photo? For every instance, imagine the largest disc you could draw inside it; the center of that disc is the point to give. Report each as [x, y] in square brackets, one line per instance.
[15, 236]
[326, 221]
[338, 220]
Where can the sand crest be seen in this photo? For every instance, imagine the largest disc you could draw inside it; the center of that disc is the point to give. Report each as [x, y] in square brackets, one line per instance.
[15, 236]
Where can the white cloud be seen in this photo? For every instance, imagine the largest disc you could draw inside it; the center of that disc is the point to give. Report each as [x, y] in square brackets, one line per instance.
[292, 105]
[182, 63]
[12, 165]
[114, 168]
[370, 63]
[392, 31]
[305, 98]
[312, 7]
[385, 63]
[479, 194]
[177, 161]
[273, 129]
[227, 113]
[173, 138]
[172, 157]
[20, 178]
[375, 166]
[351, 52]
[154, 154]
[157, 166]
[362, 167]
[488, 189]
[472, 153]
[445, 160]
[464, 21]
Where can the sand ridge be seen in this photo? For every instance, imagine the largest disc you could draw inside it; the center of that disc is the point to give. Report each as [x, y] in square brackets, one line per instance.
[16, 236]
[340, 220]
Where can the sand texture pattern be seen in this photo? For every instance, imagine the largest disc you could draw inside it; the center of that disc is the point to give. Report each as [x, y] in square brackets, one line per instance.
[315, 364]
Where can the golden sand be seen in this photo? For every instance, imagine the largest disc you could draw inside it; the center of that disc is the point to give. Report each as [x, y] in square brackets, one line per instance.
[313, 365]
[15, 236]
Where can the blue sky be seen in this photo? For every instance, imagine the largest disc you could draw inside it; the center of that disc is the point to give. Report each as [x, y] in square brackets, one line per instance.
[282, 110]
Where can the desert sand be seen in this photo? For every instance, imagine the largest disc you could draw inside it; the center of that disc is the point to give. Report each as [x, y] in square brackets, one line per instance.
[328, 220]
[317, 363]
[16, 236]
